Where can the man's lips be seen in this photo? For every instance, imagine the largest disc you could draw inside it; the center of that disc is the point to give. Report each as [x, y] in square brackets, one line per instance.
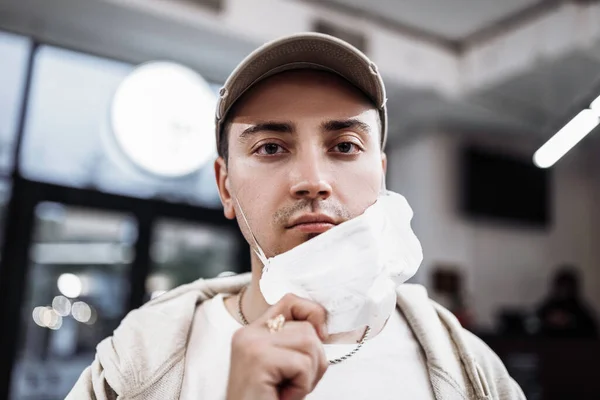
[313, 227]
[312, 223]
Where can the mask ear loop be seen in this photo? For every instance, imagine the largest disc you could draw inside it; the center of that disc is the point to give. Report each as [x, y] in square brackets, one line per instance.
[383, 189]
[256, 248]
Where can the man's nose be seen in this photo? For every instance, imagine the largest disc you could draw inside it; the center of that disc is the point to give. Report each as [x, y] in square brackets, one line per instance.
[310, 181]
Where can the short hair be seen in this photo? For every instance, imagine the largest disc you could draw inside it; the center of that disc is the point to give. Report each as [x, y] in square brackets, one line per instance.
[223, 145]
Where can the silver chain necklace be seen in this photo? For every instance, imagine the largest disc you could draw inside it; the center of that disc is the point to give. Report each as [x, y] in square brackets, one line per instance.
[331, 362]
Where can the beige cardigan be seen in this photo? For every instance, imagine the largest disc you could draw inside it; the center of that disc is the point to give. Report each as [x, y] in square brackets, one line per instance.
[145, 357]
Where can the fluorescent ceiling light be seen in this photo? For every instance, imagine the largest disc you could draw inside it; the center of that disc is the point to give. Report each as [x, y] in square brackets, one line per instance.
[566, 138]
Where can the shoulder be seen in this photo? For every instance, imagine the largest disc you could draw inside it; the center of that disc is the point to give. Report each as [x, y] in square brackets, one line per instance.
[445, 340]
[492, 368]
[148, 339]
[151, 341]
[487, 360]
[167, 318]
[482, 364]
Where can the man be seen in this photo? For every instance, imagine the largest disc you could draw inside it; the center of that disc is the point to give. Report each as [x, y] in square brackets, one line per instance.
[564, 313]
[301, 126]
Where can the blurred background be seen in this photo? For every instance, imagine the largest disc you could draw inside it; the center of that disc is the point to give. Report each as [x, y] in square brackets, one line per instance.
[103, 208]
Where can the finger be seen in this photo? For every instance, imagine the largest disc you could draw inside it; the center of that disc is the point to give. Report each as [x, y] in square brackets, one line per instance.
[296, 375]
[301, 336]
[305, 339]
[296, 308]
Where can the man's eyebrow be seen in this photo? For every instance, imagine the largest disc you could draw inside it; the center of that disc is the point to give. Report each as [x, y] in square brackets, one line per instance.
[352, 123]
[268, 126]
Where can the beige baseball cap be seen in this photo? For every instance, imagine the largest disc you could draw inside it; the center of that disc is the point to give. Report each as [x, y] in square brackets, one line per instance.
[304, 51]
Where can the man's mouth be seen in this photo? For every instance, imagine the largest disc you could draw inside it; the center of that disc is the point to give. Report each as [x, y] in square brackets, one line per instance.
[312, 223]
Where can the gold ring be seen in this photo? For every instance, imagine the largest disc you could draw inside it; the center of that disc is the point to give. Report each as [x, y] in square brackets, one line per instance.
[276, 324]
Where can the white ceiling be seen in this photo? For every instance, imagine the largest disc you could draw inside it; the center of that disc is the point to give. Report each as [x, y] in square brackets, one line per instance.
[536, 101]
[451, 19]
[549, 94]
[111, 30]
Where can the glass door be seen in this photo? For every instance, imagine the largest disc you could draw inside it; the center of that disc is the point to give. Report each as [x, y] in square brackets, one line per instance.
[182, 252]
[76, 295]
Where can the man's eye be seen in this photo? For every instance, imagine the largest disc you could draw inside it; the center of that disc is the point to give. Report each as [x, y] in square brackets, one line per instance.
[269, 149]
[346, 148]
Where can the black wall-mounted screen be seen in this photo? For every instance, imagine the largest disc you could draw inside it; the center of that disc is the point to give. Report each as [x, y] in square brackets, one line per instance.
[502, 187]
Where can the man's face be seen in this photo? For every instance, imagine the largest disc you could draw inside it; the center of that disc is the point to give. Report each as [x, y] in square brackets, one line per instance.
[304, 155]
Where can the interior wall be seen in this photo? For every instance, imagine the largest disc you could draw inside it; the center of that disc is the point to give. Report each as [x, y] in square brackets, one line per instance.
[503, 265]
[594, 279]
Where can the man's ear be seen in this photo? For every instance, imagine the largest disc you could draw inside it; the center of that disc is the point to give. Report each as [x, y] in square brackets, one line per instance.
[222, 176]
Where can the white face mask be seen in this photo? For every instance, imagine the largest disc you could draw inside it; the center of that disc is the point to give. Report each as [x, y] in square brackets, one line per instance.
[353, 269]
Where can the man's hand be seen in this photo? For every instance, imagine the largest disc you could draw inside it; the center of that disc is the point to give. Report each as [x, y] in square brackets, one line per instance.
[284, 365]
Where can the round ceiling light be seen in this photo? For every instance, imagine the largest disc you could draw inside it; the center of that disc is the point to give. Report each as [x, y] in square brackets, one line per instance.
[163, 119]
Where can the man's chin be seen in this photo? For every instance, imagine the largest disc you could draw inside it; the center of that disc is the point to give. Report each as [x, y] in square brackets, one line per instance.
[305, 237]
[311, 235]
[299, 239]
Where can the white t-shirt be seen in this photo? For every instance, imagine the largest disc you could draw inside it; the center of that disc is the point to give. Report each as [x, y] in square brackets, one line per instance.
[389, 366]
